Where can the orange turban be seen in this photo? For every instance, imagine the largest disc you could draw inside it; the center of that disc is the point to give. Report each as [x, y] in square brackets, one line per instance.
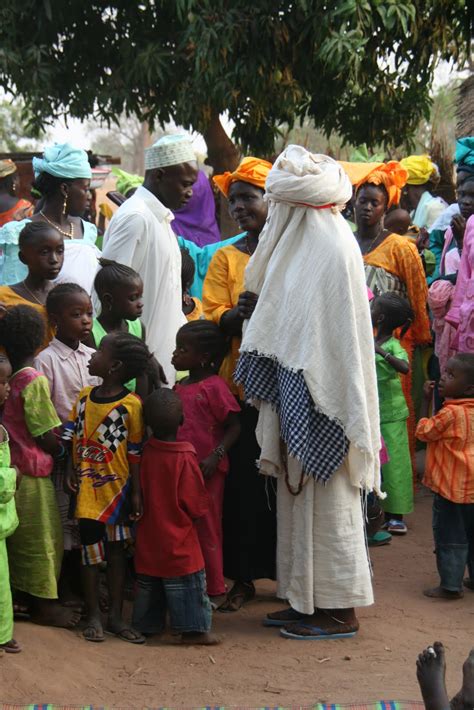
[251, 170]
[391, 175]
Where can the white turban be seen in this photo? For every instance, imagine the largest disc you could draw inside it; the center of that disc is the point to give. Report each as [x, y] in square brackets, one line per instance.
[169, 150]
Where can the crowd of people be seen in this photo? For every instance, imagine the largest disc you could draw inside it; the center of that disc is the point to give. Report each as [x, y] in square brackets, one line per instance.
[178, 411]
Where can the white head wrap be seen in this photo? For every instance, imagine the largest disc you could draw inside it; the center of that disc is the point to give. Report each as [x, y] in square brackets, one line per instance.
[169, 150]
[313, 313]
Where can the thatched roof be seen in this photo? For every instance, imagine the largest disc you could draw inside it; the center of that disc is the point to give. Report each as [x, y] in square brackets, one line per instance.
[465, 109]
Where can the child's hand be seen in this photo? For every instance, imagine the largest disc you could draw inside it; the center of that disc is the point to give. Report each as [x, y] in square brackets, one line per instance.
[137, 506]
[71, 482]
[209, 465]
[428, 389]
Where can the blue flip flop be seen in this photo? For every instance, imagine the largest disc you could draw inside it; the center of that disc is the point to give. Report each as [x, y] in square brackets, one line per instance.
[320, 634]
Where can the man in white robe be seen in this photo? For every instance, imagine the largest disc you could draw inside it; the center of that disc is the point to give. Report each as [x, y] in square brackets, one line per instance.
[140, 236]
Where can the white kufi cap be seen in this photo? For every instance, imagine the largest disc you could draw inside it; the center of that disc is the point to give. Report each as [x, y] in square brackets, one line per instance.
[169, 150]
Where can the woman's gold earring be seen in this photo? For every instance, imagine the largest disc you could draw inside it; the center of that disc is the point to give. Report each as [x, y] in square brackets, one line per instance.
[65, 205]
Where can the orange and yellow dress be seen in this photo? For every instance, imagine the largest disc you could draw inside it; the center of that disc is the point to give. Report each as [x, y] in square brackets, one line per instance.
[9, 298]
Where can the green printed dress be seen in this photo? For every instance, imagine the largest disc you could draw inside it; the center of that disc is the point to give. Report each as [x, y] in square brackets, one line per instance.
[397, 476]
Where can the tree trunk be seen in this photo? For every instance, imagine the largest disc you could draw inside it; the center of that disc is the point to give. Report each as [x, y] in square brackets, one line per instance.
[222, 155]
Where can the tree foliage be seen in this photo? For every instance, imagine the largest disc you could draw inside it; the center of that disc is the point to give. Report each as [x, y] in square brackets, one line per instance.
[360, 67]
[15, 135]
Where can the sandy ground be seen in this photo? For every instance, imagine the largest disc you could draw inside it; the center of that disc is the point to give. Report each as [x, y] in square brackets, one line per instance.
[254, 666]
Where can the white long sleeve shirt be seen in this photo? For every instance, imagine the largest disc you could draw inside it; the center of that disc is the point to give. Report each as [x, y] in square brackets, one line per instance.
[139, 235]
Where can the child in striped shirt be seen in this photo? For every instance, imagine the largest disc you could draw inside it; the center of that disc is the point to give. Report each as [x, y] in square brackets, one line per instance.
[449, 473]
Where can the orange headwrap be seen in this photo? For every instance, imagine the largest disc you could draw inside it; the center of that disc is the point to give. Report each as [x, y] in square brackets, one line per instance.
[252, 170]
[391, 175]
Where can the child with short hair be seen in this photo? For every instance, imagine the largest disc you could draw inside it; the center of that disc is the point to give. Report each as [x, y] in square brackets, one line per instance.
[211, 425]
[449, 473]
[41, 249]
[65, 365]
[168, 558]
[106, 431]
[35, 549]
[192, 306]
[9, 479]
[390, 312]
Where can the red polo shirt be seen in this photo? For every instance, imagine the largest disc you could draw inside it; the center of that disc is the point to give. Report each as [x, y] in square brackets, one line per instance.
[174, 497]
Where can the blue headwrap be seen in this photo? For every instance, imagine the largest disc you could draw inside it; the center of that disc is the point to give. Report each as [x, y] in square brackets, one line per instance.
[465, 154]
[63, 161]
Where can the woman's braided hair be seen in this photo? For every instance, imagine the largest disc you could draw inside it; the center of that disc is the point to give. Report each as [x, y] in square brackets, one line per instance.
[132, 352]
[208, 338]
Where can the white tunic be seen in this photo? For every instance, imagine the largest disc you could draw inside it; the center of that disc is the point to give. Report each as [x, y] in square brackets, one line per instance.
[139, 235]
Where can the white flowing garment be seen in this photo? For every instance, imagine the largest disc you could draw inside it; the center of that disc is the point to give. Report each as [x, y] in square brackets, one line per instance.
[312, 317]
[313, 312]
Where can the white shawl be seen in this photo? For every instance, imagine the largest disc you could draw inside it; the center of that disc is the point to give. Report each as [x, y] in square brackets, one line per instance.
[313, 311]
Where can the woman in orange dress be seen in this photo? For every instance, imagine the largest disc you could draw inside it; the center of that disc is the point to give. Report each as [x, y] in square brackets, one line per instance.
[12, 208]
[249, 501]
[392, 262]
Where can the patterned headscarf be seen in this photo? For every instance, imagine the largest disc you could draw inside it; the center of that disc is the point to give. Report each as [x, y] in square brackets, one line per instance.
[391, 175]
[420, 169]
[465, 154]
[251, 170]
[7, 167]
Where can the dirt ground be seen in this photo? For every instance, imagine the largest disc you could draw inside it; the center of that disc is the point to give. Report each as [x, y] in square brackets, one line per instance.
[254, 666]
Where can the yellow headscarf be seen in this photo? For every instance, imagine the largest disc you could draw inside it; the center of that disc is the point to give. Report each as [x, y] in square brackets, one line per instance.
[420, 169]
[251, 170]
[7, 167]
[391, 175]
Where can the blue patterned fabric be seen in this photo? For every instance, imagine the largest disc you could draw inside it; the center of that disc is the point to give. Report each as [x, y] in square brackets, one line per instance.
[318, 442]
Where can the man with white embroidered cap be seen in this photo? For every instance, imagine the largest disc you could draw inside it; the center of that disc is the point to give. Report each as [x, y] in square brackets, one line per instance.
[139, 235]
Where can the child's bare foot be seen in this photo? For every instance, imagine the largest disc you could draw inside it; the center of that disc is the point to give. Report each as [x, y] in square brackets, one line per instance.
[93, 630]
[200, 638]
[441, 593]
[11, 646]
[49, 612]
[431, 673]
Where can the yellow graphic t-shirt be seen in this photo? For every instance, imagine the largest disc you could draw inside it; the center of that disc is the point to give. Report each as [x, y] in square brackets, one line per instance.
[107, 436]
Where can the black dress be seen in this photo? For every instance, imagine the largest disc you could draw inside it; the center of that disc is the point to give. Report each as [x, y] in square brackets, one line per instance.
[249, 520]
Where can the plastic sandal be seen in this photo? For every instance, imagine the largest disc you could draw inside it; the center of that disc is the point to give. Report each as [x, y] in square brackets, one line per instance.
[319, 634]
[396, 527]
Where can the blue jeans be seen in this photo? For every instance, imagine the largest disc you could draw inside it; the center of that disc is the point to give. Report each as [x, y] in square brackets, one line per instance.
[185, 598]
[453, 532]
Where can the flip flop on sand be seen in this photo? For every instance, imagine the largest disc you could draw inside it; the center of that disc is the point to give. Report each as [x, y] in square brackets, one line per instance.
[283, 617]
[11, 646]
[308, 632]
[126, 633]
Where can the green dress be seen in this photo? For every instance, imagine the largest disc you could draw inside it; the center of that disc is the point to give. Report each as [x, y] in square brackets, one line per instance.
[135, 327]
[397, 477]
[8, 524]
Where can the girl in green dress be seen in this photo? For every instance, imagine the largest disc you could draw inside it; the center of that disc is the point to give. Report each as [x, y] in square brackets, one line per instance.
[389, 313]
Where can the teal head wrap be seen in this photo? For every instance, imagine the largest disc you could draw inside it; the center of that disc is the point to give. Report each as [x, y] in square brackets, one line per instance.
[62, 160]
[465, 154]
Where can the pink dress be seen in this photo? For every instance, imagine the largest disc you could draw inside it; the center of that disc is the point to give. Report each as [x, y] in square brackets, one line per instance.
[207, 405]
[461, 313]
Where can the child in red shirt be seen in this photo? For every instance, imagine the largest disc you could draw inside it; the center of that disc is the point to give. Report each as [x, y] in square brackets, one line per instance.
[168, 557]
[211, 425]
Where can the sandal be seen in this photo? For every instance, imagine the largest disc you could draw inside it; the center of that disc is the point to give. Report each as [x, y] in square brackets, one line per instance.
[308, 632]
[11, 646]
[121, 634]
[240, 593]
[379, 538]
[283, 617]
[396, 527]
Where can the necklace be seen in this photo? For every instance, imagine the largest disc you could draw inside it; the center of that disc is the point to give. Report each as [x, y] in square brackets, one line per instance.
[377, 236]
[68, 235]
[35, 298]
